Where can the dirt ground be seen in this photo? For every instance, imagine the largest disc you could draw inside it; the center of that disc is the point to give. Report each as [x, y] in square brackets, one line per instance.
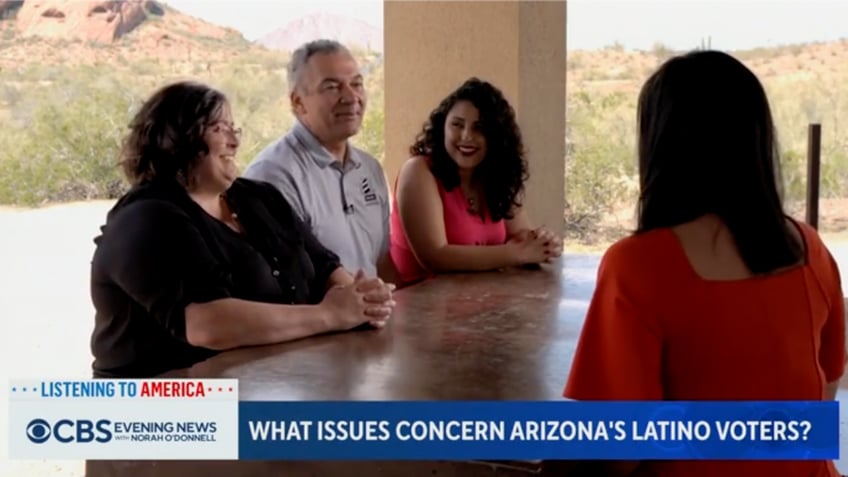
[45, 308]
[47, 314]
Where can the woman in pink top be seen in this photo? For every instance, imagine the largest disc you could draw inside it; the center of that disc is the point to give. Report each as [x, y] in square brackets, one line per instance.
[457, 200]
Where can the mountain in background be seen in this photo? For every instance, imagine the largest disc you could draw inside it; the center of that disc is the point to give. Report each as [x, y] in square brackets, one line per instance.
[349, 31]
[99, 21]
[61, 32]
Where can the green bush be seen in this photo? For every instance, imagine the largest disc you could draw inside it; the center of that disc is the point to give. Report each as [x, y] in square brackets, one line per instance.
[63, 125]
[600, 161]
[65, 144]
[66, 122]
[601, 177]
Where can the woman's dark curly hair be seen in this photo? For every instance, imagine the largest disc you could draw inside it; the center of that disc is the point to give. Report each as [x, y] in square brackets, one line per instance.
[166, 135]
[503, 172]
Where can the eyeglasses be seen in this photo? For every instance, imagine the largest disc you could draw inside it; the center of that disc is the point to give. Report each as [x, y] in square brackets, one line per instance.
[219, 127]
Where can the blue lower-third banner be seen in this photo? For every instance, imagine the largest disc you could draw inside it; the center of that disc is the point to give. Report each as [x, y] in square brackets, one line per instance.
[200, 419]
[440, 430]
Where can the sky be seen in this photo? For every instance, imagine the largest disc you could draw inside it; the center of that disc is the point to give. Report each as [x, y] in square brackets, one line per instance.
[636, 24]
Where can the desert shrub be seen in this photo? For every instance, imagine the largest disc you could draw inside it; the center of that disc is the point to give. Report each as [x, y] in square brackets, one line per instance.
[600, 160]
[66, 122]
[63, 122]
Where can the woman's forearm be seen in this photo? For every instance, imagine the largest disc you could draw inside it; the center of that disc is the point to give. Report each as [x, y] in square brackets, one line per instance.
[471, 258]
[231, 323]
[339, 277]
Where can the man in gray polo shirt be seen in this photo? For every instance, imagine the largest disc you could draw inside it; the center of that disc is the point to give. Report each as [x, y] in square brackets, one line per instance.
[338, 190]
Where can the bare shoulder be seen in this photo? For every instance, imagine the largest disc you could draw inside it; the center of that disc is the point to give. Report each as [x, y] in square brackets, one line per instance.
[416, 170]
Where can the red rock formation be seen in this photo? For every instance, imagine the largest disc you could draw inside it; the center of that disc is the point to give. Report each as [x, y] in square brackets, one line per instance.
[99, 21]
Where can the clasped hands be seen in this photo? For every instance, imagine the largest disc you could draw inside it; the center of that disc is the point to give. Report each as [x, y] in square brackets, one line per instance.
[378, 295]
[537, 245]
[366, 300]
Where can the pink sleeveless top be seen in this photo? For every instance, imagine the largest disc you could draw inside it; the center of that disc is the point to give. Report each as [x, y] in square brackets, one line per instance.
[461, 228]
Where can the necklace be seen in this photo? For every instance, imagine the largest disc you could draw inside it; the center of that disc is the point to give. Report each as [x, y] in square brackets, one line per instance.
[229, 216]
[470, 195]
[472, 205]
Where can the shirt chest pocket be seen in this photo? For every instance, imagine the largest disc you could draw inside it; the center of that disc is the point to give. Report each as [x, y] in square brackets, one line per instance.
[373, 225]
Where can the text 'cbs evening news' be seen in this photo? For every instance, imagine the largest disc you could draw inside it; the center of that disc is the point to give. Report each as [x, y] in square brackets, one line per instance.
[204, 420]
[124, 419]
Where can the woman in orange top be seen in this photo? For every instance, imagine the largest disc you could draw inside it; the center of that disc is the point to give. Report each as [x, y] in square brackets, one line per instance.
[719, 295]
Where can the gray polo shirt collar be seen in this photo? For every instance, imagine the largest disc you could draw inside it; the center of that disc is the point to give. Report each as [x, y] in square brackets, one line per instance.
[318, 153]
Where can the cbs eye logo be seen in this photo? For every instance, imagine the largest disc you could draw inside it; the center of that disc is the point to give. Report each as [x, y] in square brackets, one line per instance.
[38, 431]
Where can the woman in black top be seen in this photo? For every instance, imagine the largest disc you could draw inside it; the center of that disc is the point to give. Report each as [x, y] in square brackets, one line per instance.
[193, 260]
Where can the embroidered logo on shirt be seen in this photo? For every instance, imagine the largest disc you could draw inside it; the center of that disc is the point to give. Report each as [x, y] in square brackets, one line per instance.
[370, 196]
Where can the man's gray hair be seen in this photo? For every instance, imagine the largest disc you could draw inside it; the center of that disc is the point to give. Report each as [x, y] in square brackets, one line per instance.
[301, 56]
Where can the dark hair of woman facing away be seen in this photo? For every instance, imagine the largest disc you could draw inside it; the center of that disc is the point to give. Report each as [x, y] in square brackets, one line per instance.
[166, 135]
[503, 172]
[707, 144]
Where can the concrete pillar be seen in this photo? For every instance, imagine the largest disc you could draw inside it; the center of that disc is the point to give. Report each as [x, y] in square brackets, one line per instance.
[431, 47]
